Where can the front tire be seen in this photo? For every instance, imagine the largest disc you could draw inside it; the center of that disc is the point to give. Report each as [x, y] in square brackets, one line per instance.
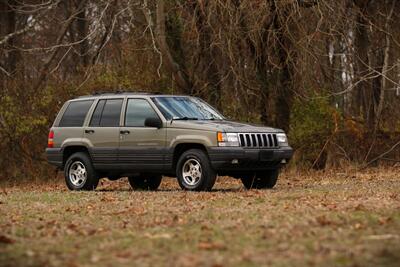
[79, 172]
[261, 180]
[145, 182]
[194, 171]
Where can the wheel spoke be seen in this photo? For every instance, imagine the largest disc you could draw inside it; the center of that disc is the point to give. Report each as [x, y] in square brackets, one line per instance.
[191, 172]
[77, 173]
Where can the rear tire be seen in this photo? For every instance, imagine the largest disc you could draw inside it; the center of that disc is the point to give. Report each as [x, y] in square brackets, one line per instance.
[113, 178]
[79, 172]
[194, 171]
[145, 182]
[261, 180]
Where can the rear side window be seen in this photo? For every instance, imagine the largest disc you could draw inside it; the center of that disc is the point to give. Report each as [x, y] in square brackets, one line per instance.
[107, 113]
[96, 117]
[75, 114]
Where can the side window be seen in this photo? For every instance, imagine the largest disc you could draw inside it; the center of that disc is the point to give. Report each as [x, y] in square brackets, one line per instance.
[75, 114]
[95, 121]
[137, 111]
[111, 113]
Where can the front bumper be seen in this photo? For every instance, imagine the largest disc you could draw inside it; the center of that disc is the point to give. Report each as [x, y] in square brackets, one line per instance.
[55, 156]
[242, 159]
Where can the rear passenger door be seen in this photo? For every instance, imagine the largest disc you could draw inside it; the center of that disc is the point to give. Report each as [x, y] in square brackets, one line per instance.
[103, 133]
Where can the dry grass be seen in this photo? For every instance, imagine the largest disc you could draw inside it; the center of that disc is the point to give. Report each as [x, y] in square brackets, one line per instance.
[315, 219]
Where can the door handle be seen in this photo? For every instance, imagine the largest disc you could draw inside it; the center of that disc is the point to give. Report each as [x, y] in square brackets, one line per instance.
[89, 131]
[124, 132]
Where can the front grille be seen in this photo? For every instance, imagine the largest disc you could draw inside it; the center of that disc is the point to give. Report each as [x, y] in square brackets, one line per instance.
[257, 140]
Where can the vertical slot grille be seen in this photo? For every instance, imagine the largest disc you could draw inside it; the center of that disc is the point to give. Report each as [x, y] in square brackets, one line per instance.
[258, 140]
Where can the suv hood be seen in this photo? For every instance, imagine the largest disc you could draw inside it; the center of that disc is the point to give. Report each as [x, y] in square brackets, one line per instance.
[223, 126]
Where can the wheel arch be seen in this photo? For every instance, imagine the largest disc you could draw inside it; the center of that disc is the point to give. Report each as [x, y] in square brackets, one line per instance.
[69, 150]
[179, 149]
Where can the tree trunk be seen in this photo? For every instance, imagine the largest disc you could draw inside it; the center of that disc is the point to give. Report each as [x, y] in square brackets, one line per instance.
[12, 57]
[261, 67]
[179, 75]
[285, 92]
[210, 55]
[82, 27]
[361, 95]
[385, 68]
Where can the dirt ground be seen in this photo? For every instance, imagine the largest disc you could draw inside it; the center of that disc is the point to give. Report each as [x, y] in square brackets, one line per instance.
[340, 218]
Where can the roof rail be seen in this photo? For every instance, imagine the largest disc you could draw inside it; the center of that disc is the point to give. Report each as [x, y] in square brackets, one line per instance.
[124, 92]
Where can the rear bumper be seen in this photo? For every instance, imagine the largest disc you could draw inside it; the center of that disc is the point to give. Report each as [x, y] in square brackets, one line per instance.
[55, 156]
[242, 159]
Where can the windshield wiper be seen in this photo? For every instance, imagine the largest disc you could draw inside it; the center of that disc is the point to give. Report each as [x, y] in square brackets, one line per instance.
[211, 119]
[184, 119]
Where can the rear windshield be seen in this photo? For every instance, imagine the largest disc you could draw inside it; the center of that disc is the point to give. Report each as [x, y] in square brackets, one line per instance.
[75, 114]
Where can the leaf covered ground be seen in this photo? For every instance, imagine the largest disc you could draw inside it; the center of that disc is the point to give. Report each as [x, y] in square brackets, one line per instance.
[340, 218]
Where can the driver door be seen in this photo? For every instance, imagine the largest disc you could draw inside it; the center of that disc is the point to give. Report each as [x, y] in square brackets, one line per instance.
[141, 148]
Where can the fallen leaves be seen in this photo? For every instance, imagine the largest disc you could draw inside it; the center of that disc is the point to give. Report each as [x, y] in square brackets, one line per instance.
[109, 198]
[6, 240]
[382, 237]
[158, 236]
[323, 220]
[319, 216]
[131, 211]
[358, 226]
[385, 220]
[360, 207]
[211, 246]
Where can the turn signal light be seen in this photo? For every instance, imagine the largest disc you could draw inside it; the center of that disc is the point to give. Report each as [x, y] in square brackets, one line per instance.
[220, 137]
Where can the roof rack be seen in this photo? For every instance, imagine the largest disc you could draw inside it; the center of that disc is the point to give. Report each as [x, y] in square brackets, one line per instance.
[125, 92]
[120, 92]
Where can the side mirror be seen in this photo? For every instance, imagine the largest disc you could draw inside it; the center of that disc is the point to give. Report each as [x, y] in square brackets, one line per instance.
[153, 122]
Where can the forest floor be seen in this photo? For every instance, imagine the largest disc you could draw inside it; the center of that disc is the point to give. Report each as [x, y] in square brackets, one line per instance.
[343, 218]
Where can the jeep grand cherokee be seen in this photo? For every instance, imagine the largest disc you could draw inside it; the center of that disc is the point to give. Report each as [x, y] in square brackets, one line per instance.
[143, 136]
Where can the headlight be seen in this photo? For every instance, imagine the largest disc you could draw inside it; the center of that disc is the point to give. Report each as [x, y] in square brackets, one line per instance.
[282, 139]
[227, 139]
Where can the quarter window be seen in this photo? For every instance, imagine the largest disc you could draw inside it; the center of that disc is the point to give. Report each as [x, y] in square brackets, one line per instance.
[137, 111]
[75, 114]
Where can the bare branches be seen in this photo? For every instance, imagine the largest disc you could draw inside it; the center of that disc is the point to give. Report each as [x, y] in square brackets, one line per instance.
[381, 155]
[46, 66]
[307, 3]
[259, 61]
[31, 23]
[172, 66]
[150, 25]
[384, 69]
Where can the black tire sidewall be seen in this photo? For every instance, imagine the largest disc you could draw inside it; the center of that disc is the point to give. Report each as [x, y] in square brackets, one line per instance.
[261, 180]
[269, 178]
[208, 175]
[248, 180]
[145, 182]
[92, 179]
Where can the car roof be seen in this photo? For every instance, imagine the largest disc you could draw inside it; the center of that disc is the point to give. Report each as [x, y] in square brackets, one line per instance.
[123, 94]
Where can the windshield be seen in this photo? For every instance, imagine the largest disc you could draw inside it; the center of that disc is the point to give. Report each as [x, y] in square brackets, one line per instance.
[184, 107]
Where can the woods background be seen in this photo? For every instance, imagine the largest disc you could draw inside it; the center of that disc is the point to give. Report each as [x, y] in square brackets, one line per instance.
[327, 72]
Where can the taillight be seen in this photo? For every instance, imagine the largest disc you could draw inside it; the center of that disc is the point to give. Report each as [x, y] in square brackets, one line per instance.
[50, 140]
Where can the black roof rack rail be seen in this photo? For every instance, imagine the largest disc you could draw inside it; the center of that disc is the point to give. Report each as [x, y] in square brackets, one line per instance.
[110, 93]
[124, 92]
